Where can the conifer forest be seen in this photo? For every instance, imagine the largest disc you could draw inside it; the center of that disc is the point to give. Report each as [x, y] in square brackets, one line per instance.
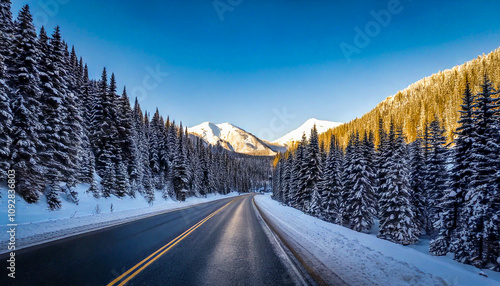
[59, 128]
[450, 192]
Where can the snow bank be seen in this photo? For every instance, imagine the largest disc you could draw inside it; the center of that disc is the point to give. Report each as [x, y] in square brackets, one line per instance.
[364, 259]
[36, 224]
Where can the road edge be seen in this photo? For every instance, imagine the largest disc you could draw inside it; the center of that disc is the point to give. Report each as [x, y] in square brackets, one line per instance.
[302, 277]
[316, 277]
[321, 274]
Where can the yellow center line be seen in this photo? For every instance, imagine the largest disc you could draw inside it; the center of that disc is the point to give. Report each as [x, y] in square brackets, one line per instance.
[153, 257]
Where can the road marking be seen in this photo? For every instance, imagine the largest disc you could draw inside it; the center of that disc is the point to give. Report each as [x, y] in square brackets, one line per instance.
[157, 254]
[274, 238]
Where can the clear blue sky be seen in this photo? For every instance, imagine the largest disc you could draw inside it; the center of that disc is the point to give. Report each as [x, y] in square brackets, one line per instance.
[266, 55]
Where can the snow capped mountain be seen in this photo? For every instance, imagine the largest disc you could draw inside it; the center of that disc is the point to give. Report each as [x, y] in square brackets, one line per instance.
[232, 138]
[296, 135]
[238, 140]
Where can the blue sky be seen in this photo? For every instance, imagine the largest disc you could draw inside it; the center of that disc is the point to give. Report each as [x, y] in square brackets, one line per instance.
[257, 57]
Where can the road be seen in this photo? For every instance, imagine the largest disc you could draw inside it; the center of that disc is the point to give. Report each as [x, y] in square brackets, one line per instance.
[216, 243]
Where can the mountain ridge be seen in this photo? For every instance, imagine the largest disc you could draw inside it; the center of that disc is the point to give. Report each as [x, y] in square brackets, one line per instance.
[234, 138]
[237, 139]
[438, 95]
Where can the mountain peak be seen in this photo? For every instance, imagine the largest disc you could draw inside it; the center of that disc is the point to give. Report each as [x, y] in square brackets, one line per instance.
[295, 135]
[232, 138]
[312, 120]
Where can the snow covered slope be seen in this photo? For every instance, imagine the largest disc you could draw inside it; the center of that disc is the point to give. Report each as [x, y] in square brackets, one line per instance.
[296, 135]
[232, 138]
[363, 259]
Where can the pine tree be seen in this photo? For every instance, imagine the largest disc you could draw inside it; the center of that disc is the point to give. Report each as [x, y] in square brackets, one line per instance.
[155, 142]
[428, 203]
[73, 62]
[493, 225]
[72, 136]
[86, 157]
[6, 27]
[26, 127]
[315, 205]
[480, 241]
[198, 169]
[212, 176]
[282, 178]
[384, 152]
[343, 217]
[331, 182]
[93, 99]
[397, 216]
[452, 204]
[300, 195]
[166, 151]
[108, 181]
[180, 178]
[436, 173]
[288, 184]
[106, 133]
[126, 134]
[360, 203]
[122, 180]
[171, 145]
[276, 181]
[44, 51]
[279, 182]
[107, 147]
[149, 194]
[140, 162]
[94, 189]
[5, 126]
[6, 117]
[204, 170]
[86, 163]
[61, 138]
[369, 152]
[53, 199]
[313, 174]
[5, 92]
[190, 160]
[417, 182]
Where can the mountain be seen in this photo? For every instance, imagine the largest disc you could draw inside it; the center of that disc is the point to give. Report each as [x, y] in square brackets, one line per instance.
[234, 139]
[412, 108]
[296, 135]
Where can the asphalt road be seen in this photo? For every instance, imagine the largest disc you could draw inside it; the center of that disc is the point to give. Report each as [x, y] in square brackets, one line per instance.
[216, 243]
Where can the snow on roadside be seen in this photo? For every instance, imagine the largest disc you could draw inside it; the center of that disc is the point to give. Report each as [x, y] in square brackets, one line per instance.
[36, 224]
[364, 259]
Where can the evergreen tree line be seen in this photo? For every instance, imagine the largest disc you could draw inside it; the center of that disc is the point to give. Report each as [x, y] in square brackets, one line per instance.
[448, 192]
[59, 128]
